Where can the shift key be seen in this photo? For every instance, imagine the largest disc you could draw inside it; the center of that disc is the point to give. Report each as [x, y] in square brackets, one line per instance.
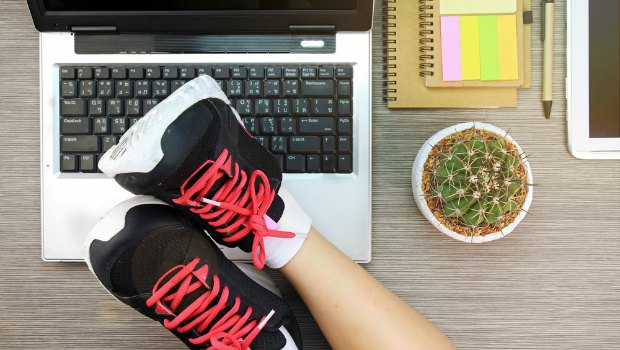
[73, 107]
[317, 126]
[88, 143]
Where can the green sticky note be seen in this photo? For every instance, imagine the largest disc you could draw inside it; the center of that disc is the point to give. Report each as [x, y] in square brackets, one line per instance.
[489, 50]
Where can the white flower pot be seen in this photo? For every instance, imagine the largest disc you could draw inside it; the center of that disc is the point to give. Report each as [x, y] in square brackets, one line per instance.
[418, 193]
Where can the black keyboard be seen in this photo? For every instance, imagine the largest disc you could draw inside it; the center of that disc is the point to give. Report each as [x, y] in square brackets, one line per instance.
[301, 114]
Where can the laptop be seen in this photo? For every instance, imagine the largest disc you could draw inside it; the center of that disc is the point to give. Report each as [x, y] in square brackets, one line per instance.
[593, 79]
[298, 72]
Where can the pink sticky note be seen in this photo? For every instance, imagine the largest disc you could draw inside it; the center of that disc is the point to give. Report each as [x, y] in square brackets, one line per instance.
[451, 48]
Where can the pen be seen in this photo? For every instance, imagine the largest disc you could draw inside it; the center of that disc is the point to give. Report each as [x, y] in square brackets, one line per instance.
[547, 7]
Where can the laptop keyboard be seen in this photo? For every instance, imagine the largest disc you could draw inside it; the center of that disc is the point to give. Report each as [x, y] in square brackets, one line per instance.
[302, 114]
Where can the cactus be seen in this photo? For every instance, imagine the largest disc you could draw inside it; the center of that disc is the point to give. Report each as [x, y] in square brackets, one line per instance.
[477, 179]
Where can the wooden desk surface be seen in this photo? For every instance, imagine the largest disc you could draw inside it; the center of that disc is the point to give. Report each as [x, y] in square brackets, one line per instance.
[553, 283]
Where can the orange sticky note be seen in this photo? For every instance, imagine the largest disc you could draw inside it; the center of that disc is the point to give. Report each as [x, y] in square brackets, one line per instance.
[507, 47]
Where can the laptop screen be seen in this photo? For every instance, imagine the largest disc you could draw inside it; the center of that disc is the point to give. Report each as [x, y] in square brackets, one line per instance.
[197, 5]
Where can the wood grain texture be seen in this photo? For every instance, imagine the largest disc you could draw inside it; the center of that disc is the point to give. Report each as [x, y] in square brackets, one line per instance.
[553, 283]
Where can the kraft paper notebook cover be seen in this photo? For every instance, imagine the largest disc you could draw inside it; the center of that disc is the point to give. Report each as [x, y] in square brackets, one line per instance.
[405, 86]
[465, 15]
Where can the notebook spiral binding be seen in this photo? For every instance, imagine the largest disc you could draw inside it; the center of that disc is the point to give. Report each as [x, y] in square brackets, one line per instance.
[389, 50]
[426, 41]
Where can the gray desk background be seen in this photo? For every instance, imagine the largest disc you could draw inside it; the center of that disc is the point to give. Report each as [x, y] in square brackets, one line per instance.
[553, 283]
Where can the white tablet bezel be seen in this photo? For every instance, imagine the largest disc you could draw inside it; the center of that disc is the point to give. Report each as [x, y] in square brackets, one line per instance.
[580, 144]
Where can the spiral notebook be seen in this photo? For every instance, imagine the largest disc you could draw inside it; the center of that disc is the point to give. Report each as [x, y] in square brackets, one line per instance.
[478, 43]
[407, 32]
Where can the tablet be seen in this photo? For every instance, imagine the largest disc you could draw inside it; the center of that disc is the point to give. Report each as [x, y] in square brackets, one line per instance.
[593, 78]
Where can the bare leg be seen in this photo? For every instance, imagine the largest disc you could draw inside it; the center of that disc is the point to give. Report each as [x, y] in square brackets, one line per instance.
[353, 309]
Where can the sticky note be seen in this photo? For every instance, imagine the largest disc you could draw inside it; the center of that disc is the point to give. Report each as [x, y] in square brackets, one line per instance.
[470, 48]
[450, 48]
[489, 55]
[474, 7]
[507, 47]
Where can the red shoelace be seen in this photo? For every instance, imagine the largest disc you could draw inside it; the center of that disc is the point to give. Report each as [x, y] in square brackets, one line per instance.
[231, 332]
[238, 208]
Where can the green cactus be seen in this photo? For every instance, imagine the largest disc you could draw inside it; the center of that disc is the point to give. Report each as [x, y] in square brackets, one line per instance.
[477, 179]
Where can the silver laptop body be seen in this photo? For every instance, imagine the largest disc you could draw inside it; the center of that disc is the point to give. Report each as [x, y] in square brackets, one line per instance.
[340, 204]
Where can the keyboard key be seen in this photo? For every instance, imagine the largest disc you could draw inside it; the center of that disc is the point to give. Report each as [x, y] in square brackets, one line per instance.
[108, 142]
[291, 88]
[301, 107]
[114, 107]
[254, 88]
[328, 163]
[326, 72]
[87, 88]
[239, 73]
[124, 88]
[263, 107]
[68, 88]
[256, 72]
[68, 162]
[88, 163]
[101, 126]
[79, 144]
[119, 73]
[75, 107]
[308, 72]
[344, 126]
[295, 163]
[318, 88]
[136, 73]
[344, 144]
[250, 125]
[235, 88]
[344, 72]
[133, 120]
[314, 163]
[344, 88]
[272, 88]
[161, 88]
[85, 73]
[304, 144]
[221, 73]
[102, 73]
[280, 160]
[187, 73]
[142, 88]
[273, 72]
[344, 164]
[67, 73]
[278, 144]
[148, 105]
[244, 106]
[171, 73]
[153, 73]
[133, 107]
[317, 126]
[344, 107]
[204, 71]
[96, 108]
[75, 126]
[268, 125]
[176, 85]
[322, 106]
[263, 140]
[119, 125]
[288, 126]
[329, 144]
[291, 72]
[282, 107]
[105, 88]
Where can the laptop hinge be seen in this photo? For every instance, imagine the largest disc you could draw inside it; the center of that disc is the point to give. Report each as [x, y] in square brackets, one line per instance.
[93, 29]
[312, 29]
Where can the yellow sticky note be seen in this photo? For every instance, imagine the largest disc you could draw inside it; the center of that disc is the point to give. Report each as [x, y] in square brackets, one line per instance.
[471, 7]
[470, 48]
[507, 47]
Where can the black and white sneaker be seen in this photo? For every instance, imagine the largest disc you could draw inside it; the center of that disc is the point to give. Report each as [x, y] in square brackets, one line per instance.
[151, 257]
[193, 152]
